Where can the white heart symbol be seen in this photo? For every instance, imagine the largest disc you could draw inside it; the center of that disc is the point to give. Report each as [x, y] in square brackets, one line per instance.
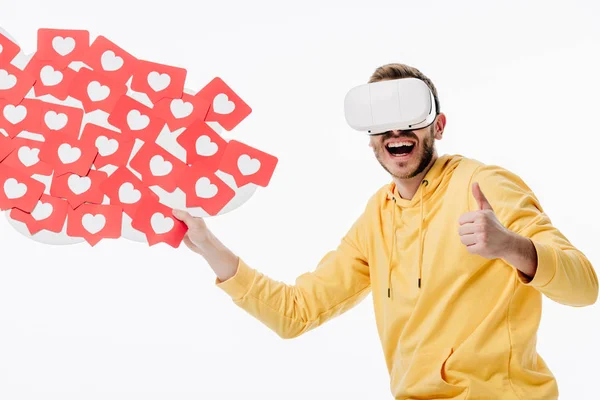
[205, 189]
[128, 194]
[159, 166]
[222, 104]
[42, 211]
[247, 165]
[7, 81]
[160, 224]
[68, 154]
[106, 146]
[204, 147]
[50, 77]
[13, 189]
[158, 81]
[79, 184]
[97, 91]
[110, 61]
[63, 46]
[137, 121]
[55, 121]
[13, 114]
[28, 156]
[93, 223]
[181, 109]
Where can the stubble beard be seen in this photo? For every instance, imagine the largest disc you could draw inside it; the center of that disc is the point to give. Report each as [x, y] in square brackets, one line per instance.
[425, 158]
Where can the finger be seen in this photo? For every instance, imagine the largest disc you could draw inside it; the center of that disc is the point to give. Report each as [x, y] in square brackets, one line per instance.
[482, 201]
[468, 228]
[474, 248]
[467, 217]
[188, 242]
[184, 217]
[468, 240]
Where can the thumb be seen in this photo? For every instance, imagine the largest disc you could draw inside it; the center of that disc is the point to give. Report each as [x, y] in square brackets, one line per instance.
[482, 201]
[197, 230]
[184, 217]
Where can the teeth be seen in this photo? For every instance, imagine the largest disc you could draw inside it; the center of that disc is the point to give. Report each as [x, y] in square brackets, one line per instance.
[400, 144]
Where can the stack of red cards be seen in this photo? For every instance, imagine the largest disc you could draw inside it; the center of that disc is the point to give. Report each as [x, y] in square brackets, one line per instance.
[61, 174]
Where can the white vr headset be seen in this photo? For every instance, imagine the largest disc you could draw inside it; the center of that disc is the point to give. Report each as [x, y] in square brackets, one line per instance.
[399, 104]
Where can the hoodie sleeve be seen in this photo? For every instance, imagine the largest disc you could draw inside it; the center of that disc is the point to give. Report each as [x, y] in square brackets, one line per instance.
[564, 274]
[339, 282]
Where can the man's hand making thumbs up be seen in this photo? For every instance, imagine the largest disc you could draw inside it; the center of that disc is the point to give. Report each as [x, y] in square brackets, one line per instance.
[481, 231]
[483, 234]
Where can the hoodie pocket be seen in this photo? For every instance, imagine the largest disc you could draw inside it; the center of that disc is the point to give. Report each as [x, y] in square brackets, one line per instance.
[423, 375]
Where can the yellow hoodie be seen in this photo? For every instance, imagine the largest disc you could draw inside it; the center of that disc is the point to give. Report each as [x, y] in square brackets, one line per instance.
[452, 324]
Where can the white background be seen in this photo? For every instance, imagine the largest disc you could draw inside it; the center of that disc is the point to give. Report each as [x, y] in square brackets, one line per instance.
[518, 82]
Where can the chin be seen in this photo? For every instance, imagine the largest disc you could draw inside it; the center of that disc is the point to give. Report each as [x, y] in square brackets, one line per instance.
[405, 171]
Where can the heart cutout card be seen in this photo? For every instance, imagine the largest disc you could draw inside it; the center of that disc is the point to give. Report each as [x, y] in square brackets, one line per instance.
[50, 213]
[247, 164]
[159, 225]
[52, 78]
[23, 116]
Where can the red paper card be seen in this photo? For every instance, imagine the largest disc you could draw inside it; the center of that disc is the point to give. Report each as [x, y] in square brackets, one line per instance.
[17, 190]
[113, 148]
[95, 222]
[61, 120]
[96, 91]
[14, 83]
[26, 158]
[247, 164]
[24, 116]
[51, 77]
[111, 60]
[202, 145]
[227, 108]
[6, 147]
[78, 189]
[123, 188]
[180, 113]
[157, 166]
[8, 50]
[50, 214]
[67, 154]
[205, 189]
[158, 223]
[158, 81]
[62, 45]
[135, 120]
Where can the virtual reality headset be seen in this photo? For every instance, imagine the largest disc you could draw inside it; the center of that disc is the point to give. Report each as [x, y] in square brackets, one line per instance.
[398, 104]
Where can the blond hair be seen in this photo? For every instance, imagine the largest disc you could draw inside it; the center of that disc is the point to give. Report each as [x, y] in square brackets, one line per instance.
[398, 71]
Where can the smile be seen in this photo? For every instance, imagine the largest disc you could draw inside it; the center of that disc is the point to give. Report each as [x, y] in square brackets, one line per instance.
[401, 148]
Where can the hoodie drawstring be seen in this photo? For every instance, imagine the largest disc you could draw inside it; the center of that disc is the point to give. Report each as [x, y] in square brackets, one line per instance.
[393, 229]
[425, 182]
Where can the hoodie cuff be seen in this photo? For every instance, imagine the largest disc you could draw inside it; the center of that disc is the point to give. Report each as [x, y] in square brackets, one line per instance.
[546, 266]
[240, 283]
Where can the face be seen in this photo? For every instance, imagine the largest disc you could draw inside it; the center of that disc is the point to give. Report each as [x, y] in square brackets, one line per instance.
[405, 154]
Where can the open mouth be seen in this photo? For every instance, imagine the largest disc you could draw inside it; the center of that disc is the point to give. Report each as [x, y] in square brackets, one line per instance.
[400, 149]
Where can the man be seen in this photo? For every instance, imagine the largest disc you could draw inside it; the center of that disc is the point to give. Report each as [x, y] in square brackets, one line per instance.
[457, 255]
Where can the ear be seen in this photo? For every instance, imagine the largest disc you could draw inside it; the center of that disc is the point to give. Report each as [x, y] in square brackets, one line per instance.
[439, 125]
